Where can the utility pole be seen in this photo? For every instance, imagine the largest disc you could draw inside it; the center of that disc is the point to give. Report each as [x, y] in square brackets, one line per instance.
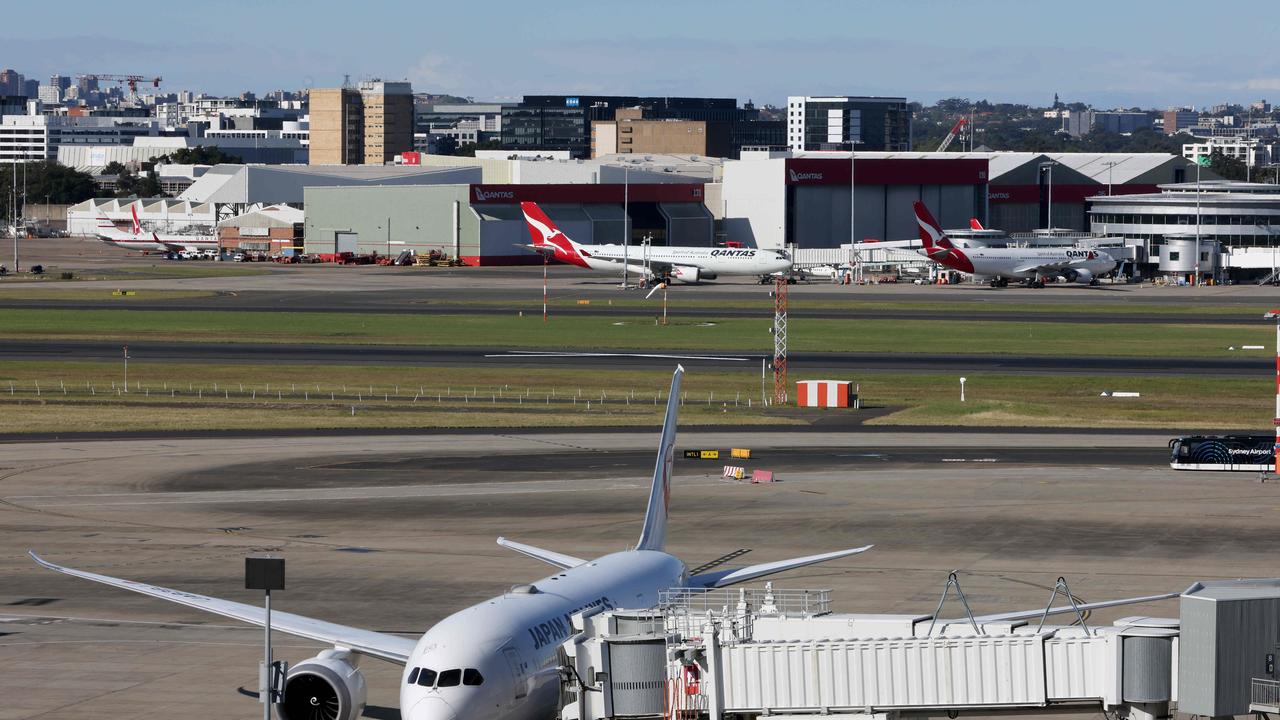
[780, 340]
[266, 574]
[626, 224]
[1197, 274]
[853, 200]
[126, 368]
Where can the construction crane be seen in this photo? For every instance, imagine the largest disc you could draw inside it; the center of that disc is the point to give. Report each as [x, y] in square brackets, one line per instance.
[955, 130]
[131, 80]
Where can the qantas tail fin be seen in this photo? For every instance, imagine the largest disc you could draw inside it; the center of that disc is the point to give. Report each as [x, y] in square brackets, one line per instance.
[931, 233]
[975, 225]
[547, 237]
[654, 535]
[137, 226]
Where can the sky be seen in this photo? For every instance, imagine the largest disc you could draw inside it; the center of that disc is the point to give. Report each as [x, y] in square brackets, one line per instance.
[1107, 54]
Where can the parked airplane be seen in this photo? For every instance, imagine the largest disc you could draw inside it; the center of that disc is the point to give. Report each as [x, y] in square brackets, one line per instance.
[1031, 265]
[138, 240]
[497, 660]
[685, 264]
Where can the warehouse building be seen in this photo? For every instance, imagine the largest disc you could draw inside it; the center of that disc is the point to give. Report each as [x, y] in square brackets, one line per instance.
[482, 224]
[776, 200]
[273, 230]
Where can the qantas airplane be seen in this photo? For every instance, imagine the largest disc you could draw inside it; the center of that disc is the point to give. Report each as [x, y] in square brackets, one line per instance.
[1031, 265]
[137, 239]
[684, 264]
[497, 660]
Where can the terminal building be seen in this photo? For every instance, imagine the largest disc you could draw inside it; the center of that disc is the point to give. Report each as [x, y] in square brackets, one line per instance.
[1235, 226]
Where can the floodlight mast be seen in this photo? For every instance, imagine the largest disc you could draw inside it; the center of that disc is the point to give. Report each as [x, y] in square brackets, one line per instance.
[1275, 315]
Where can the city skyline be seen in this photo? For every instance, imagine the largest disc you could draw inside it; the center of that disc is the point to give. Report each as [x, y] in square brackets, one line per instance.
[1104, 55]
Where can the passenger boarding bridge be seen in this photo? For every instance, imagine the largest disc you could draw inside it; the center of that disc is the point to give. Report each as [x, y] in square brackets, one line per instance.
[748, 653]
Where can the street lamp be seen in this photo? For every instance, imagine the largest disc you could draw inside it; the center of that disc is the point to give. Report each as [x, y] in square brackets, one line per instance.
[853, 198]
[1275, 315]
[626, 224]
[1111, 164]
[1047, 167]
[962, 381]
[1197, 275]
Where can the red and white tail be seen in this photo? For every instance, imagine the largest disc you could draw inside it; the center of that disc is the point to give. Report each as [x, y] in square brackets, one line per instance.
[545, 234]
[931, 233]
[137, 226]
[975, 225]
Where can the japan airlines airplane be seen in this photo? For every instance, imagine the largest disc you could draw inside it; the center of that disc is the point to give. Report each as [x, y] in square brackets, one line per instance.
[497, 660]
[685, 264]
[138, 240]
[1031, 265]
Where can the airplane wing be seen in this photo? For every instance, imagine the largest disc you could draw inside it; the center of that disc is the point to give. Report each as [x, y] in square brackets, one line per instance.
[560, 560]
[1083, 607]
[724, 578]
[366, 642]
[1049, 266]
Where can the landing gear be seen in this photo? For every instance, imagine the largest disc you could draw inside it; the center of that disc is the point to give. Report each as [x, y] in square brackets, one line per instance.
[999, 282]
[1094, 282]
[1035, 283]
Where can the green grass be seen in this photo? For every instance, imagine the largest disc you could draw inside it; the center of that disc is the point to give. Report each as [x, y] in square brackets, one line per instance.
[707, 332]
[167, 271]
[266, 397]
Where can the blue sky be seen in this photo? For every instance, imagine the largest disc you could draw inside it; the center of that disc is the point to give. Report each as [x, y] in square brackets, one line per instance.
[1152, 54]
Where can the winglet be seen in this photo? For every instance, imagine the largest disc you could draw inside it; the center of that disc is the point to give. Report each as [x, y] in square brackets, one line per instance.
[654, 535]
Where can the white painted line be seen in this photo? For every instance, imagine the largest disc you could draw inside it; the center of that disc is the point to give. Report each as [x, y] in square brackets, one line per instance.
[1252, 347]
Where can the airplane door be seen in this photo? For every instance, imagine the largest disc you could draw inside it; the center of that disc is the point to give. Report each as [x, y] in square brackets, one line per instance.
[519, 674]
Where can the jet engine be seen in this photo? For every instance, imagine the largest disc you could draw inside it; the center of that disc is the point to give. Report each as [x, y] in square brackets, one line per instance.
[329, 686]
[1078, 275]
[690, 274]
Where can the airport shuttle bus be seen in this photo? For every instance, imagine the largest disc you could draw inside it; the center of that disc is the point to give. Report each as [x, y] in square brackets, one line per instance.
[1241, 453]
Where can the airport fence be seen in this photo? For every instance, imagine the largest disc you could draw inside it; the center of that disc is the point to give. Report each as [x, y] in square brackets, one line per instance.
[399, 396]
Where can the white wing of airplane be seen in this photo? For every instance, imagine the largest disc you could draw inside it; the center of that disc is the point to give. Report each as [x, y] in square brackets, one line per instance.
[1033, 614]
[560, 560]
[1052, 265]
[366, 642]
[724, 578]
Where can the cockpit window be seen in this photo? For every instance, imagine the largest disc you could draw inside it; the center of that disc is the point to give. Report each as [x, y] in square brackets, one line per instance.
[413, 675]
[427, 678]
[471, 676]
[449, 678]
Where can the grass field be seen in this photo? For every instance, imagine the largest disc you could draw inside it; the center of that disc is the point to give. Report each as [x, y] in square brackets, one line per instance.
[165, 271]
[83, 397]
[707, 332]
[70, 293]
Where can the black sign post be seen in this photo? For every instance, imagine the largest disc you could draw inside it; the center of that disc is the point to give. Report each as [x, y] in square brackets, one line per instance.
[266, 574]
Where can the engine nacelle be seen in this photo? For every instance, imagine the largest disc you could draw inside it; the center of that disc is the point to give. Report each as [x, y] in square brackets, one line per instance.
[1078, 275]
[690, 274]
[329, 686]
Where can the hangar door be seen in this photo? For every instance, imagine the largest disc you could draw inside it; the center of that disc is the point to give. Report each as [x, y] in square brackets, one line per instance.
[345, 242]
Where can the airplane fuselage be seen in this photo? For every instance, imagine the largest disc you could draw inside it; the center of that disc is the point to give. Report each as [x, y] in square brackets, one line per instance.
[512, 640]
[709, 261]
[1011, 263]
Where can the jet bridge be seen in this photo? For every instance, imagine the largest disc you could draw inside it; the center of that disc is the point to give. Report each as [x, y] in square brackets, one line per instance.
[752, 652]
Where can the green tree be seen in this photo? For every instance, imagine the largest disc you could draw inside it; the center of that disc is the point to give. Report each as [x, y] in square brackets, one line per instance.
[199, 155]
[1226, 167]
[446, 145]
[59, 184]
[469, 150]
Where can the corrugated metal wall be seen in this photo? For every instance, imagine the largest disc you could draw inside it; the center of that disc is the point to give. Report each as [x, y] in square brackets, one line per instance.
[943, 672]
[637, 675]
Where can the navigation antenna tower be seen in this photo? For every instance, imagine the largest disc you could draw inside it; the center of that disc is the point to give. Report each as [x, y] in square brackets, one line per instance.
[780, 339]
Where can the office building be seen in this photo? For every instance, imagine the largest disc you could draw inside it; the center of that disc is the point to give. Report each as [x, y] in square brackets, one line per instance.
[1175, 121]
[366, 125]
[842, 122]
[1250, 151]
[563, 122]
[12, 83]
[37, 137]
[631, 133]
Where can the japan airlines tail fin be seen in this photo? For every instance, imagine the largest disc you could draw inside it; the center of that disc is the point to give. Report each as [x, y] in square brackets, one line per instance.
[931, 233]
[654, 535]
[547, 237]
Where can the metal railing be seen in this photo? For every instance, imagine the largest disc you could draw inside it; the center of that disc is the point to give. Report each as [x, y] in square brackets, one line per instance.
[686, 610]
[1265, 692]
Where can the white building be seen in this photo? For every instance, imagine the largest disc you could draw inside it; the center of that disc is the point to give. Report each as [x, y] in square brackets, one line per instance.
[833, 123]
[1250, 151]
[32, 138]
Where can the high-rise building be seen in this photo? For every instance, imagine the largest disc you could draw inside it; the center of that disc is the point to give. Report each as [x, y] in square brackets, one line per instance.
[12, 82]
[50, 94]
[62, 82]
[841, 122]
[369, 125]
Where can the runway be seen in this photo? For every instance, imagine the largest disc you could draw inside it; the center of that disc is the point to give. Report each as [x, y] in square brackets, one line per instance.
[391, 533]
[313, 354]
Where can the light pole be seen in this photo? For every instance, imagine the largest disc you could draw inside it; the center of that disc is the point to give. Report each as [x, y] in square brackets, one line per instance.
[1047, 167]
[853, 198]
[1111, 164]
[626, 224]
[266, 574]
[962, 381]
[126, 368]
